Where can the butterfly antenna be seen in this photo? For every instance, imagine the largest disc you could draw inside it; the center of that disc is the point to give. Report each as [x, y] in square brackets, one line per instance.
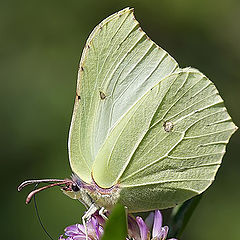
[65, 184]
[28, 182]
[38, 216]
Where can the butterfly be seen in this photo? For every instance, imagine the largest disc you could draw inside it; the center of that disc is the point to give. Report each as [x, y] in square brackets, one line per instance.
[144, 132]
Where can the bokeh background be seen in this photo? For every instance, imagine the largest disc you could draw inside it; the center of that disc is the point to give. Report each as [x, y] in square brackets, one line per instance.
[40, 47]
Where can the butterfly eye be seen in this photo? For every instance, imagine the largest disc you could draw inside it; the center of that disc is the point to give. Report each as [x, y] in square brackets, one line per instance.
[75, 188]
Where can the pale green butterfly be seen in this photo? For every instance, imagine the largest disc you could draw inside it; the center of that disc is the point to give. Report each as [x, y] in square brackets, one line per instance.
[144, 132]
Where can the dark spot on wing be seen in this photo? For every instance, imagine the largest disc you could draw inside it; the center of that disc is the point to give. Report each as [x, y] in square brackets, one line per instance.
[78, 97]
[81, 68]
[168, 126]
[102, 95]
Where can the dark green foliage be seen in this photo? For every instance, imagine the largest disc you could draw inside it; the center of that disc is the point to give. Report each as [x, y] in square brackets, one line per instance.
[181, 215]
[116, 226]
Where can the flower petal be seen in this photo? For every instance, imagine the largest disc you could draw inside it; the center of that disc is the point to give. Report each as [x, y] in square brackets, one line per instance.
[100, 219]
[164, 233]
[143, 228]
[81, 229]
[149, 220]
[73, 230]
[95, 225]
[157, 225]
[133, 229]
[78, 238]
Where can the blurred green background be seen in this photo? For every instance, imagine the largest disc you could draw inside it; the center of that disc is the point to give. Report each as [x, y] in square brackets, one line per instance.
[41, 43]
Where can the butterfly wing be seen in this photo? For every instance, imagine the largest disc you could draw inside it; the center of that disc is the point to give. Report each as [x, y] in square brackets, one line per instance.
[140, 121]
[119, 65]
[170, 144]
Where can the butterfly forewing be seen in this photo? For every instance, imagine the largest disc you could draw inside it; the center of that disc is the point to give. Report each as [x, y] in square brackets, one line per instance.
[118, 66]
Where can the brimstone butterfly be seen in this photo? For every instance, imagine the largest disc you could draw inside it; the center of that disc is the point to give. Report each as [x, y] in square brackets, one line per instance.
[144, 132]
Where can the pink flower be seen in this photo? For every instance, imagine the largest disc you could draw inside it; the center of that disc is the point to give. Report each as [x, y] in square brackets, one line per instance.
[138, 229]
[153, 222]
[77, 231]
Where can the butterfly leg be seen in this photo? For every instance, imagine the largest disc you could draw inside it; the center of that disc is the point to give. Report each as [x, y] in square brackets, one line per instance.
[102, 212]
[92, 209]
